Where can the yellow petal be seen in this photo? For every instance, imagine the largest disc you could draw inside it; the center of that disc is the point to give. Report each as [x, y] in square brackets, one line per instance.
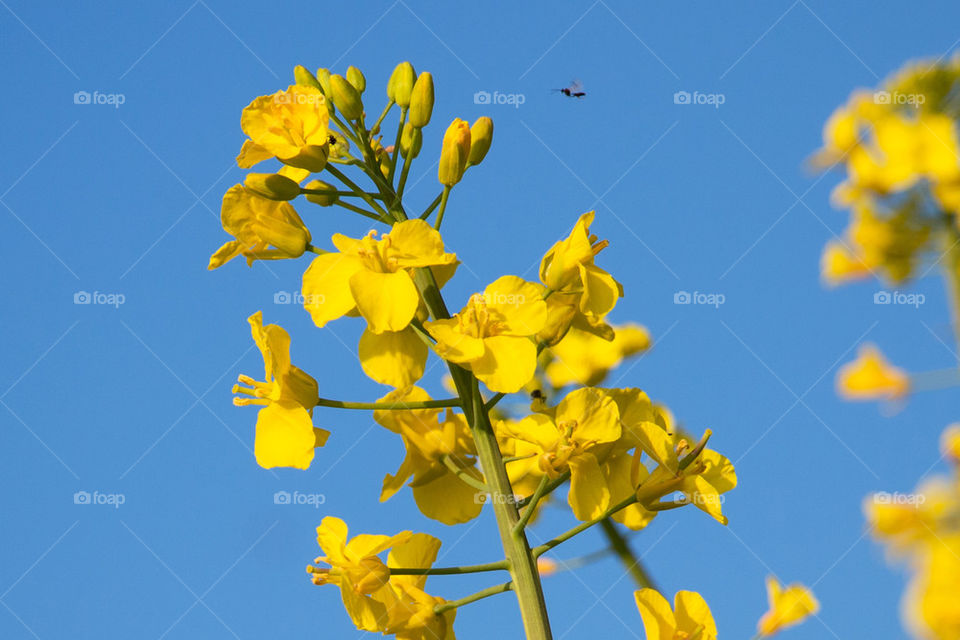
[365, 612]
[419, 552]
[225, 254]
[449, 499]
[251, 153]
[285, 437]
[332, 538]
[589, 495]
[871, 377]
[396, 358]
[516, 306]
[507, 364]
[535, 428]
[453, 345]
[414, 243]
[692, 613]
[595, 414]
[326, 286]
[600, 291]
[658, 619]
[388, 301]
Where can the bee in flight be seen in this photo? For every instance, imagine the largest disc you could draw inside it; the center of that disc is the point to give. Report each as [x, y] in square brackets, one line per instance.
[575, 90]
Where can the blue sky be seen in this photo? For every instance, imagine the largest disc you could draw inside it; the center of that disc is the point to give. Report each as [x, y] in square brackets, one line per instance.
[133, 399]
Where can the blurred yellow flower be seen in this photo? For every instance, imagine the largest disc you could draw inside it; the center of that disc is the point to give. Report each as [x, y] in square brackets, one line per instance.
[492, 335]
[258, 224]
[788, 606]
[690, 618]
[584, 358]
[290, 125]
[285, 434]
[840, 265]
[871, 377]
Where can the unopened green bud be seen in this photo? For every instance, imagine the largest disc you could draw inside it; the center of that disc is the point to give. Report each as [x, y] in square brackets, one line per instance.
[355, 77]
[481, 135]
[323, 77]
[410, 141]
[272, 186]
[401, 84]
[346, 97]
[421, 101]
[303, 77]
[454, 153]
[324, 200]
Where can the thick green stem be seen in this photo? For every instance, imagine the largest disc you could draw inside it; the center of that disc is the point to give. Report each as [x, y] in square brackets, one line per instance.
[620, 546]
[479, 595]
[388, 406]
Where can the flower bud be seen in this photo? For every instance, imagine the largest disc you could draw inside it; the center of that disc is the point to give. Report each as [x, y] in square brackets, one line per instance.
[312, 157]
[355, 77]
[455, 152]
[481, 135]
[401, 84]
[410, 141]
[346, 97]
[323, 77]
[322, 200]
[303, 77]
[272, 186]
[421, 101]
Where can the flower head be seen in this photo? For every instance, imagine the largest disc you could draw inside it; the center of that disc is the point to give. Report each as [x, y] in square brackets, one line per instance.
[290, 125]
[285, 434]
[492, 335]
[690, 618]
[789, 606]
[582, 357]
[263, 229]
[871, 377]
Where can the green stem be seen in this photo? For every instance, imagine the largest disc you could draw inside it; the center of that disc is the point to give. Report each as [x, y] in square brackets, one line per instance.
[443, 207]
[479, 595]
[492, 402]
[934, 380]
[402, 183]
[450, 571]
[316, 250]
[383, 115]
[463, 474]
[583, 526]
[620, 546]
[551, 486]
[396, 145]
[532, 506]
[336, 192]
[357, 190]
[390, 406]
[360, 210]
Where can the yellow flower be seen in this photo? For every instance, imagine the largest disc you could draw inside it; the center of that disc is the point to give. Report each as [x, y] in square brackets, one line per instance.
[373, 277]
[788, 606]
[931, 606]
[492, 335]
[690, 618]
[583, 358]
[569, 440]
[839, 264]
[290, 125]
[578, 288]
[439, 492]
[285, 434]
[374, 599]
[906, 520]
[871, 377]
[950, 442]
[258, 224]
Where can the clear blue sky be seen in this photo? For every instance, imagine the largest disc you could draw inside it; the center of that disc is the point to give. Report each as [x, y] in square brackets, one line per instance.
[134, 399]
